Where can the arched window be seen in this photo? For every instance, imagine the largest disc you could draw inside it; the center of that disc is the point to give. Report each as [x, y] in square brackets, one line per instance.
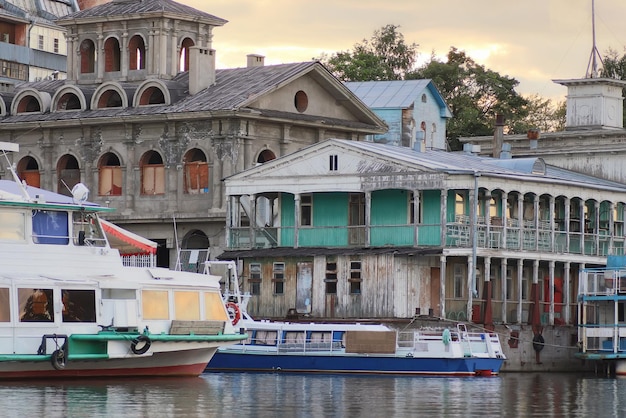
[110, 98]
[136, 53]
[152, 174]
[87, 56]
[28, 104]
[69, 101]
[110, 175]
[265, 156]
[112, 55]
[196, 175]
[184, 54]
[68, 172]
[152, 95]
[28, 171]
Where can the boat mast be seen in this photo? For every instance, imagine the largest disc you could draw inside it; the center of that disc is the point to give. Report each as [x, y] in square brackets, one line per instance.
[594, 50]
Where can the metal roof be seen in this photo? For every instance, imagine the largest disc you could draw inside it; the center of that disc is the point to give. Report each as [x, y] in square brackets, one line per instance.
[234, 90]
[463, 162]
[128, 8]
[396, 94]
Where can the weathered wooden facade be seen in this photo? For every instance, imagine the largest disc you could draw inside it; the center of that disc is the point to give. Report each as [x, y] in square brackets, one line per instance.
[148, 123]
[358, 230]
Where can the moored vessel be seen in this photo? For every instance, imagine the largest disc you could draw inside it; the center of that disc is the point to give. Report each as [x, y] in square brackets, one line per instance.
[70, 308]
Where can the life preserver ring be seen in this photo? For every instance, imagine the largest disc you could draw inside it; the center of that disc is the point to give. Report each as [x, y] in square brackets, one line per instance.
[143, 349]
[538, 343]
[233, 312]
[58, 359]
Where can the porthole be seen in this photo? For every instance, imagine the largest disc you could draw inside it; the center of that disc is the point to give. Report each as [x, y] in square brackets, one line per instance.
[301, 101]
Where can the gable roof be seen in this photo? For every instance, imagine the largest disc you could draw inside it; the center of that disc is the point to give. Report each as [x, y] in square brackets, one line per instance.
[141, 9]
[234, 90]
[388, 160]
[397, 94]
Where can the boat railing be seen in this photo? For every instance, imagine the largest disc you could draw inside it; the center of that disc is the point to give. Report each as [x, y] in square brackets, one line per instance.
[284, 347]
[602, 282]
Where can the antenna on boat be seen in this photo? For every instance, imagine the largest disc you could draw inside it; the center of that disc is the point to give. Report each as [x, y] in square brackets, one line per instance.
[8, 146]
[594, 50]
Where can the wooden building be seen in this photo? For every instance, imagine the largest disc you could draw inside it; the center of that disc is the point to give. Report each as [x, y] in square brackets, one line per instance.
[349, 229]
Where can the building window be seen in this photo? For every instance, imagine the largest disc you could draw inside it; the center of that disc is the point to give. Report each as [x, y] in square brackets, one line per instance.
[306, 210]
[255, 279]
[331, 277]
[279, 278]
[152, 174]
[196, 173]
[14, 70]
[40, 42]
[458, 281]
[301, 101]
[355, 278]
[110, 175]
[56, 45]
[424, 98]
[333, 162]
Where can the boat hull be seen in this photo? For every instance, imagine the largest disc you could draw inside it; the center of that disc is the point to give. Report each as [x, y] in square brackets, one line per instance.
[172, 363]
[353, 364]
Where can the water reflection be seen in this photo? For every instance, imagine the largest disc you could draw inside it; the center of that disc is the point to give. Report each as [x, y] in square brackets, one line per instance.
[251, 395]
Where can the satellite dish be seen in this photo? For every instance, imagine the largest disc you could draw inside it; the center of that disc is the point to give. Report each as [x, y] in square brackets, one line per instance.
[80, 193]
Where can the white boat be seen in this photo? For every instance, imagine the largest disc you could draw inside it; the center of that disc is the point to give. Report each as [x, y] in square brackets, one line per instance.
[69, 308]
[356, 348]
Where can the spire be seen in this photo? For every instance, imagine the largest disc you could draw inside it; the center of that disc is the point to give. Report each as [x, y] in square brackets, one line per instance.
[592, 66]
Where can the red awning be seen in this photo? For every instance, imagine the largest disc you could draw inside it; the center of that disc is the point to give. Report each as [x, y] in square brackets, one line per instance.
[125, 241]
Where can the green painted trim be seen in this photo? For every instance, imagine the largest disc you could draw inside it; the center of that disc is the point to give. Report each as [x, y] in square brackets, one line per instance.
[46, 357]
[112, 336]
[56, 206]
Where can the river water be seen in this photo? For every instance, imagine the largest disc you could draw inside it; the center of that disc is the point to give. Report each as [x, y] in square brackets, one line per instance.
[284, 395]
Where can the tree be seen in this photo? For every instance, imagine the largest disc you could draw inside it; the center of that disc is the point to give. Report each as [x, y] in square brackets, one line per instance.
[384, 57]
[474, 94]
[542, 114]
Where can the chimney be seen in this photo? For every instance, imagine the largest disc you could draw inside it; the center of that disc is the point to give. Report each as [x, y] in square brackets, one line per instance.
[498, 137]
[88, 4]
[255, 60]
[201, 69]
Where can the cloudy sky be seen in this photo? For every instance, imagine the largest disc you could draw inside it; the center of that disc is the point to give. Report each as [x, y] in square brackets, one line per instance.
[533, 41]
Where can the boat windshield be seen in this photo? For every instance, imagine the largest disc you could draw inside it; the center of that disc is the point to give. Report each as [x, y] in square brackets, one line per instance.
[87, 230]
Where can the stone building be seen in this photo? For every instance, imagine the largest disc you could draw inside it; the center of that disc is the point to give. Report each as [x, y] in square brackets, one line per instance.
[151, 127]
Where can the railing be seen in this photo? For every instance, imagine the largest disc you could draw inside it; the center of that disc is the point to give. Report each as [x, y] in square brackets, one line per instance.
[602, 282]
[528, 236]
[139, 260]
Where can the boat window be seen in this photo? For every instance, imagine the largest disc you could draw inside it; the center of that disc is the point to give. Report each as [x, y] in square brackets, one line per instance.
[12, 225]
[266, 337]
[320, 336]
[79, 305]
[87, 230]
[187, 305]
[35, 305]
[295, 337]
[50, 227]
[214, 308]
[155, 304]
[5, 307]
[119, 294]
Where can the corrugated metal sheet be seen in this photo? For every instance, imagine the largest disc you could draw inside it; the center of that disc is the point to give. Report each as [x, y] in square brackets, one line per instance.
[384, 94]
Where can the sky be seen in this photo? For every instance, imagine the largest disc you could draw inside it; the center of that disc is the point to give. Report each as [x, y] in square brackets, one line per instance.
[533, 41]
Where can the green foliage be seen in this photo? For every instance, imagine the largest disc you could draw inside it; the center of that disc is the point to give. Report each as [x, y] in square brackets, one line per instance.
[541, 114]
[474, 94]
[383, 57]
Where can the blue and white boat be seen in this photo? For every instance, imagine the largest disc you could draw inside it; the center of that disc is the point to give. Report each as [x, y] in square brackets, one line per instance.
[355, 348]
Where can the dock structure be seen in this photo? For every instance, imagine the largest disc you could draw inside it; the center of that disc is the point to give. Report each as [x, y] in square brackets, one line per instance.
[602, 316]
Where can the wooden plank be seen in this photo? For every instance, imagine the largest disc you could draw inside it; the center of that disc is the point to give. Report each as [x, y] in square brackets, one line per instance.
[197, 327]
[371, 342]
